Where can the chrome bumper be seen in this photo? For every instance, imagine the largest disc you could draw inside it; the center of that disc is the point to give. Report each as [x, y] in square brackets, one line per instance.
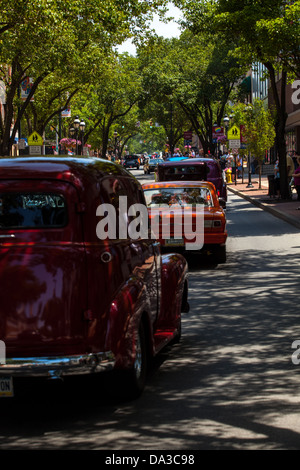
[56, 367]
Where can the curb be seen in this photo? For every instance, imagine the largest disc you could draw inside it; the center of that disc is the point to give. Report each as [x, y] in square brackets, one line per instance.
[276, 212]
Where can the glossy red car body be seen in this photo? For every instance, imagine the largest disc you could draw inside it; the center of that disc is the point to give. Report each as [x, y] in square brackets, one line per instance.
[172, 201]
[71, 303]
[195, 169]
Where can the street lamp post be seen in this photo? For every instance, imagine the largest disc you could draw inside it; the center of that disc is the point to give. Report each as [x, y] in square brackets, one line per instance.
[82, 129]
[226, 125]
[248, 108]
[171, 130]
[115, 149]
[76, 125]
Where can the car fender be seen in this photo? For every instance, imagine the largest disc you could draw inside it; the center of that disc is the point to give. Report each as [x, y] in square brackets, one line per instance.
[126, 311]
[174, 280]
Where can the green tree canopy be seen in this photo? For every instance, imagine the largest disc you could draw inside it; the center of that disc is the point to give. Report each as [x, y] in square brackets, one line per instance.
[43, 37]
[266, 32]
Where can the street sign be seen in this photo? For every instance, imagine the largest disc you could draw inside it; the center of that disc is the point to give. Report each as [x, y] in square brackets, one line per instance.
[234, 133]
[66, 112]
[22, 144]
[188, 135]
[217, 131]
[234, 143]
[35, 150]
[35, 139]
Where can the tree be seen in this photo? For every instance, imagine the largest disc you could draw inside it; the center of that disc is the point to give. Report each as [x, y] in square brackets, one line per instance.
[259, 129]
[48, 37]
[105, 105]
[192, 74]
[267, 32]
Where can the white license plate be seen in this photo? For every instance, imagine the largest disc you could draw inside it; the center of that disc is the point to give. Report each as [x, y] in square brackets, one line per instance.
[175, 242]
[6, 387]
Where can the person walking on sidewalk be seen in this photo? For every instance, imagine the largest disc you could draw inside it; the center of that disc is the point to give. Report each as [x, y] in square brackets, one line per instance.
[290, 170]
[296, 176]
[277, 179]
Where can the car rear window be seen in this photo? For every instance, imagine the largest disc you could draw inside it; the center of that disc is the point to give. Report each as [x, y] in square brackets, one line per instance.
[32, 210]
[214, 170]
[188, 172]
[182, 196]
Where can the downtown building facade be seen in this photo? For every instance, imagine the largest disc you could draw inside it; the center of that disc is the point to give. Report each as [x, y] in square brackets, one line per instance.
[259, 88]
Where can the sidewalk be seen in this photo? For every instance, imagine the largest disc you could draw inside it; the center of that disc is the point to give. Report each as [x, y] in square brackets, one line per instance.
[285, 210]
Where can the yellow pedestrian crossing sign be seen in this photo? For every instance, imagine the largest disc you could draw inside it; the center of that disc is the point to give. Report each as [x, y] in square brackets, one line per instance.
[234, 133]
[35, 139]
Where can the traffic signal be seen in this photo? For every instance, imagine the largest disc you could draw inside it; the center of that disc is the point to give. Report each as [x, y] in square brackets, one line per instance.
[151, 123]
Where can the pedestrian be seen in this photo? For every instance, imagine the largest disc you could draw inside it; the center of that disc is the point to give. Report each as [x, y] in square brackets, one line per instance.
[239, 161]
[290, 170]
[233, 168]
[254, 166]
[277, 179]
[223, 161]
[294, 158]
[296, 176]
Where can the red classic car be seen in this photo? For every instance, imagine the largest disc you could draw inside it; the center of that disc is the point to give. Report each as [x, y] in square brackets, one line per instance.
[187, 215]
[73, 303]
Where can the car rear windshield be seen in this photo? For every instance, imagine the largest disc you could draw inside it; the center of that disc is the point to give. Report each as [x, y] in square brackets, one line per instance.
[214, 171]
[181, 196]
[28, 210]
[188, 172]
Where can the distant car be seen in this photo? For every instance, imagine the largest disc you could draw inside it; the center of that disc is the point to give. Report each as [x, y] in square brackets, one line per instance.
[151, 165]
[132, 162]
[171, 203]
[74, 302]
[195, 169]
[175, 159]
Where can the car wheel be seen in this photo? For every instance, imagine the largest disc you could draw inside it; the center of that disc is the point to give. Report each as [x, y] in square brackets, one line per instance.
[220, 254]
[178, 336]
[131, 382]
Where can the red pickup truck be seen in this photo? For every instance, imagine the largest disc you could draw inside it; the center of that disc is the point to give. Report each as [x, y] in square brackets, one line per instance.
[70, 302]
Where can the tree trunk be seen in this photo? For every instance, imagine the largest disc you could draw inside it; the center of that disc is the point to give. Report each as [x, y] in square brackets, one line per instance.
[279, 94]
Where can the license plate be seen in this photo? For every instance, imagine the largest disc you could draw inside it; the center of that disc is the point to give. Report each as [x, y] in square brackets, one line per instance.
[6, 387]
[175, 242]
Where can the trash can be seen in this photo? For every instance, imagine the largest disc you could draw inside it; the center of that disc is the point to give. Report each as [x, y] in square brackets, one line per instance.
[271, 182]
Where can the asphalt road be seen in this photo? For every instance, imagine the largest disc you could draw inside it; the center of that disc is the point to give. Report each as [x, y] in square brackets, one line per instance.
[229, 384]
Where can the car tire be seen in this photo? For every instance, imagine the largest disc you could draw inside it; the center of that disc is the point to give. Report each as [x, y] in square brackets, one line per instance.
[220, 254]
[129, 384]
[177, 338]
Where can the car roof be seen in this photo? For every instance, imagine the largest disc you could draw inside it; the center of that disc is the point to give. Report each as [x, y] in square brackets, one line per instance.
[77, 170]
[189, 161]
[179, 184]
